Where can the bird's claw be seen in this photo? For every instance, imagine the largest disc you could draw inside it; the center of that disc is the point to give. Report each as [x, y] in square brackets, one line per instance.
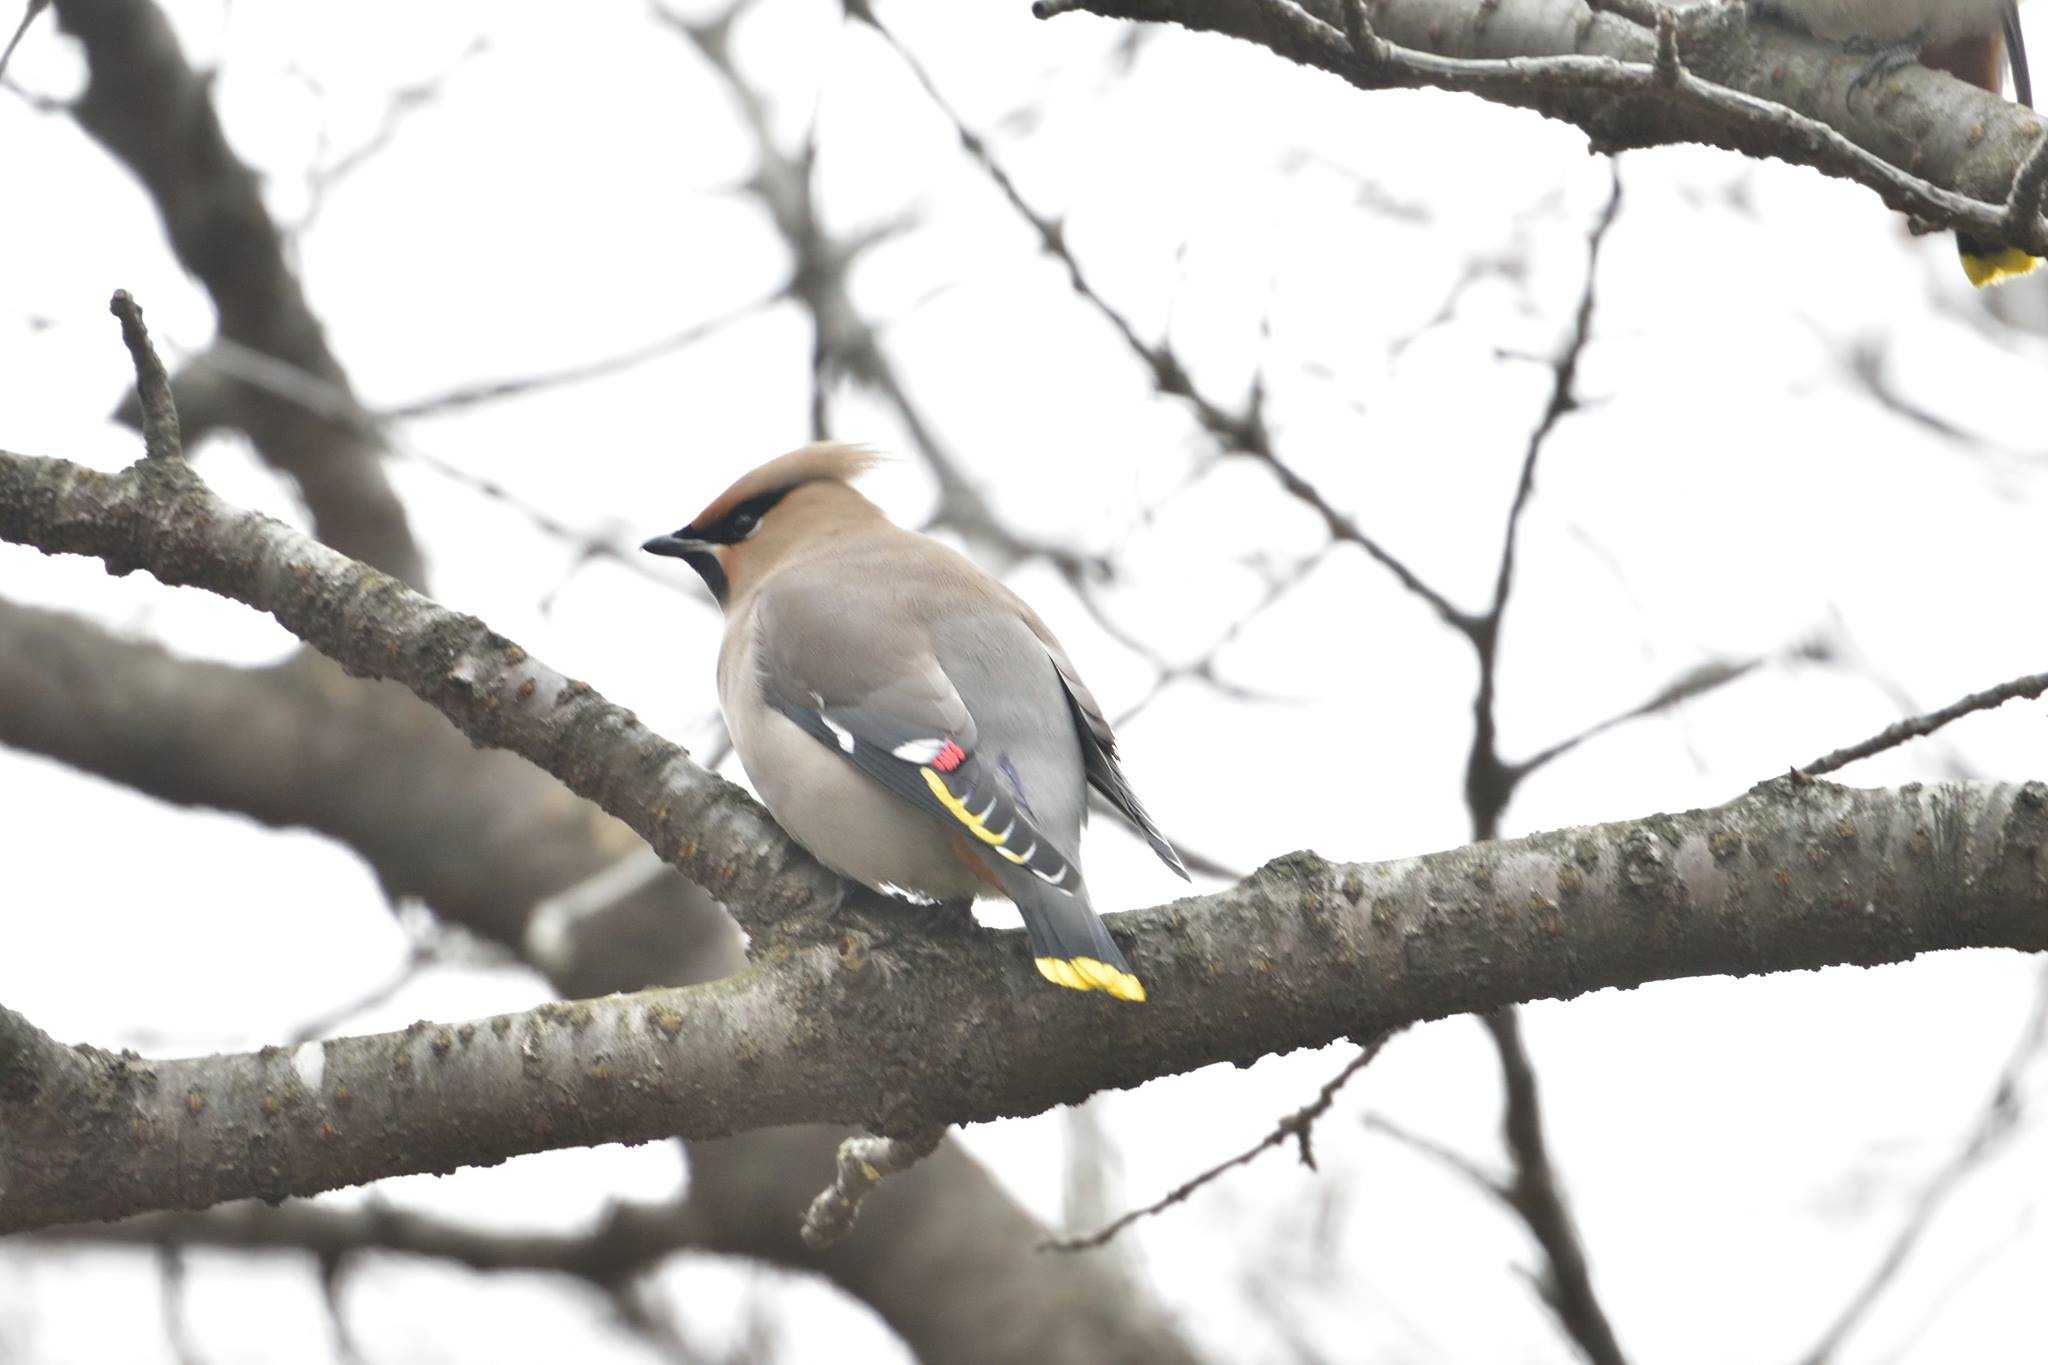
[1884, 59]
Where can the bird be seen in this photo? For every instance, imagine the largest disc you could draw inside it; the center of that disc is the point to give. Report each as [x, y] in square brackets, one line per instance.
[1969, 39]
[905, 717]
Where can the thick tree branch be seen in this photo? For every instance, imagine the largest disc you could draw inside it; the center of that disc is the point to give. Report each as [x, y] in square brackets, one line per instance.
[1928, 145]
[1307, 950]
[159, 515]
[481, 836]
[1790, 876]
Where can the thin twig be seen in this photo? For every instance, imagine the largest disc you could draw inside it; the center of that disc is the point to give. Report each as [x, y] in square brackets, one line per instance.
[1489, 782]
[1447, 1156]
[160, 438]
[2027, 688]
[864, 1162]
[1241, 432]
[492, 390]
[1694, 682]
[1575, 86]
[1995, 1125]
[1296, 1125]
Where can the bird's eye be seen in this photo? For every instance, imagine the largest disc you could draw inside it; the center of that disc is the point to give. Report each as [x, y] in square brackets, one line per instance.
[742, 524]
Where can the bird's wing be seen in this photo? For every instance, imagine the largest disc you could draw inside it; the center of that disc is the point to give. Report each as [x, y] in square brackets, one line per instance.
[887, 707]
[1098, 747]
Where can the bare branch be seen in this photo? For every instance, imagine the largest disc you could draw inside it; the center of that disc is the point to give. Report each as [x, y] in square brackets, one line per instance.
[1297, 1125]
[844, 340]
[1760, 89]
[1299, 954]
[1536, 1194]
[404, 102]
[160, 437]
[1994, 1127]
[863, 1163]
[1446, 1156]
[1795, 874]
[1241, 432]
[494, 390]
[1535, 1191]
[1489, 782]
[628, 1238]
[147, 106]
[2027, 688]
[1695, 682]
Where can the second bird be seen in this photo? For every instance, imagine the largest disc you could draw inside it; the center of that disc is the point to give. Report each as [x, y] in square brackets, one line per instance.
[905, 717]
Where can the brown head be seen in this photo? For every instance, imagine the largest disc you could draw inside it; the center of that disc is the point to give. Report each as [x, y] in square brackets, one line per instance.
[788, 502]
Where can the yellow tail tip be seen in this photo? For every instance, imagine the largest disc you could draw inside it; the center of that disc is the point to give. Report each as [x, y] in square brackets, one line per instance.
[1998, 266]
[1087, 974]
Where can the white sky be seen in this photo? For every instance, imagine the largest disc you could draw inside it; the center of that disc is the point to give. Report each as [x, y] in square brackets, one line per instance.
[1738, 1152]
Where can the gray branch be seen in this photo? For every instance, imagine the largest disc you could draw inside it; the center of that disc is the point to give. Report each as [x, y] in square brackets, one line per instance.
[1792, 875]
[1305, 951]
[1931, 146]
[147, 106]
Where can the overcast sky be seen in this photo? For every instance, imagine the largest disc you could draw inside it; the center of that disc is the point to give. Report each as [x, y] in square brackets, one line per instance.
[1739, 1152]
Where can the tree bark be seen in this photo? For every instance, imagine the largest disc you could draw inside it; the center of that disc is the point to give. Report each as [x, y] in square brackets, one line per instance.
[1946, 152]
[1790, 876]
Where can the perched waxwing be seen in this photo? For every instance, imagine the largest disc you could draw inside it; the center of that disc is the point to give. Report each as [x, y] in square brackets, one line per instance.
[904, 716]
[1969, 39]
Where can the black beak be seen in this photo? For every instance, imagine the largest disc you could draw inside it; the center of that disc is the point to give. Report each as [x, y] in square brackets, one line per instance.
[676, 546]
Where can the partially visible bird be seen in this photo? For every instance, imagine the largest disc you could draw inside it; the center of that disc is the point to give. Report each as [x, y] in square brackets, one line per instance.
[1969, 39]
[905, 717]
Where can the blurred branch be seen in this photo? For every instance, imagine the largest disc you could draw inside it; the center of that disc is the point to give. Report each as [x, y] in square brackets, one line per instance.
[1535, 1190]
[402, 104]
[1243, 431]
[170, 1259]
[29, 11]
[1489, 782]
[1536, 1193]
[147, 106]
[863, 1163]
[1301, 953]
[1697, 681]
[160, 516]
[2027, 688]
[227, 363]
[1995, 1126]
[1202, 668]
[821, 268]
[1299, 1126]
[628, 1237]
[494, 390]
[1900, 1351]
[1640, 75]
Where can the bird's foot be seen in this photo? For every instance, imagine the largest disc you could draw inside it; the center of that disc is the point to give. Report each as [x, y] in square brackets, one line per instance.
[1884, 58]
[890, 920]
[932, 919]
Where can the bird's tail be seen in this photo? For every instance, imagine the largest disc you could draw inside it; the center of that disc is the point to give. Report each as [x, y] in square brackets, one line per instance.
[1069, 943]
[1982, 60]
[1988, 263]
